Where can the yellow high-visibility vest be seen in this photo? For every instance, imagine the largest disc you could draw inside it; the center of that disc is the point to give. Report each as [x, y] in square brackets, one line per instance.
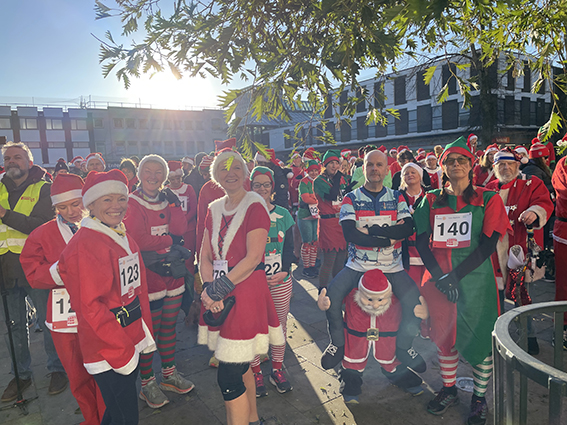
[10, 239]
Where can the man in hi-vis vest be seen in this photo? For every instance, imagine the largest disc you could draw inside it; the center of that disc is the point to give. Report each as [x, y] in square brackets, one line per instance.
[25, 203]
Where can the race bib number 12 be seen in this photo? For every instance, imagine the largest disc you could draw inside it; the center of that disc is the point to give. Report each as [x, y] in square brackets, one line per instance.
[62, 316]
[452, 230]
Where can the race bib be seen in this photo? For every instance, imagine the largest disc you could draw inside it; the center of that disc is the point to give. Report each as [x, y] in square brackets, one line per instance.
[183, 201]
[314, 210]
[220, 268]
[507, 209]
[452, 230]
[63, 317]
[129, 268]
[159, 230]
[272, 264]
[380, 220]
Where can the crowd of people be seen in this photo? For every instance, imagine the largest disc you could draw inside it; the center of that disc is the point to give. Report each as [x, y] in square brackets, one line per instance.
[403, 243]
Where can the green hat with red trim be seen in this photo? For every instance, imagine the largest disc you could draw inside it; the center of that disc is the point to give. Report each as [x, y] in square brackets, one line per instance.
[262, 170]
[312, 165]
[331, 155]
[458, 146]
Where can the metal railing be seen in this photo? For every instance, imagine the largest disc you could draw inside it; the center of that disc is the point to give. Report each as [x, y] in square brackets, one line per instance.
[510, 356]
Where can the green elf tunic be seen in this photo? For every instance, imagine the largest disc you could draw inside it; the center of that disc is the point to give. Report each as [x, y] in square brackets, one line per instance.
[454, 233]
[275, 259]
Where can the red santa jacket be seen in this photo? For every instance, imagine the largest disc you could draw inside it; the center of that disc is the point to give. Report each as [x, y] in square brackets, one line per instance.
[395, 167]
[559, 181]
[482, 176]
[209, 192]
[188, 199]
[435, 176]
[42, 249]
[90, 269]
[521, 194]
[150, 224]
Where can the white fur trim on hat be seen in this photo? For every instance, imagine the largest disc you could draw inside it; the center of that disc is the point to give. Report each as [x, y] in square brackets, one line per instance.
[66, 196]
[223, 156]
[103, 188]
[96, 156]
[260, 158]
[412, 165]
[154, 158]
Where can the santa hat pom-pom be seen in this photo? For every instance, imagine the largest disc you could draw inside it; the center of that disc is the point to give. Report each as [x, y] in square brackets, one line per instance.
[524, 160]
[289, 175]
[535, 140]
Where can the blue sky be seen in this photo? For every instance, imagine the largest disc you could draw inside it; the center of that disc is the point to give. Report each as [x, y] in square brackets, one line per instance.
[48, 52]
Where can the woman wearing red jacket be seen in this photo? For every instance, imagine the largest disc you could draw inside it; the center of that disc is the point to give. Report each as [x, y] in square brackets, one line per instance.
[156, 221]
[42, 249]
[102, 270]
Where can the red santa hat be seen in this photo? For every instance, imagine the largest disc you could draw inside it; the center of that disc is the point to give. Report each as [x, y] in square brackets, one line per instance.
[479, 153]
[95, 155]
[393, 150]
[280, 163]
[382, 149]
[472, 137]
[402, 149]
[206, 162]
[345, 153]
[491, 148]
[431, 155]
[374, 282]
[522, 152]
[188, 160]
[538, 150]
[104, 183]
[271, 157]
[222, 144]
[420, 157]
[352, 159]
[154, 158]
[421, 150]
[66, 187]
[175, 168]
[295, 155]
[310, 154]
[77, 158]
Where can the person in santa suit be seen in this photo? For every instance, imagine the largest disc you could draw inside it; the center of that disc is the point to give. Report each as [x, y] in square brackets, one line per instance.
[392, 156]
[483, 172]
[433, 170]
[329, 188]
[472, 142]
[457, 228]
[102, 269]
[41, 250]
[298, 173]
[549, 145]
[371, 322]
[157, 222]
[128, 167]
[308, 219]
[238, 319]
[95, 162]
[527, 203]
[209, 192]
[559, 181]
[76, 166]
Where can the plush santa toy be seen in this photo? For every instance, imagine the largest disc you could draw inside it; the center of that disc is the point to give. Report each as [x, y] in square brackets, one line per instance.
[371, 320]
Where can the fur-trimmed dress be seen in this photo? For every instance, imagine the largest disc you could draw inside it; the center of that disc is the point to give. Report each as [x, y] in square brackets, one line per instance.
[252, 324]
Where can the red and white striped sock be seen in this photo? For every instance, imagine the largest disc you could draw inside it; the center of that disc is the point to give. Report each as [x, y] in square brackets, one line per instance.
[313, 254]
[305, 254]
[448, 363]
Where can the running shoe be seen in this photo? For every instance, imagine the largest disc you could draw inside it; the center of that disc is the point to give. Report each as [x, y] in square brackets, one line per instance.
[278, 379]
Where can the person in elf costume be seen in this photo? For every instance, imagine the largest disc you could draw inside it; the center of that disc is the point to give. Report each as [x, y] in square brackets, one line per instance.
[527, 203]
[308, 219]
[371, 322]
[457, 228]
[41, 251]
[298, 173]
[329, 188]
[559, 181]
[277, 261]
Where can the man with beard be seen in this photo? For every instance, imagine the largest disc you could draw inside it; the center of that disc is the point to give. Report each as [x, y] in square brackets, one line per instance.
[25, 204]
[371, 321]
[527, 203]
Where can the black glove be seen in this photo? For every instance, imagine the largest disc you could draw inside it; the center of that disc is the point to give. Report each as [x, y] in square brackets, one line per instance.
[168, 195]
[178, 252]
[177, 240]
[219, 288]
[349, 187]
[448, 285]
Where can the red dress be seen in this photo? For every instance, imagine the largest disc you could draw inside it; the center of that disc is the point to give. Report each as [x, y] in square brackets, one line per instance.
[252, 324]
[209, 192]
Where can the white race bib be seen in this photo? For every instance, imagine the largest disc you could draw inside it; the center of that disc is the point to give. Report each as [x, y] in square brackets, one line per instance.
[62, 315]
[129, 268]
[380, 220]
[159, 230]
[314, 210]
[272, 264]
[452, 230]
[507, 209]
[220, 268]
[183, 201]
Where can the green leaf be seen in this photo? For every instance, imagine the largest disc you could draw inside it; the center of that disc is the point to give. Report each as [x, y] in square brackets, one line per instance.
[428, 74]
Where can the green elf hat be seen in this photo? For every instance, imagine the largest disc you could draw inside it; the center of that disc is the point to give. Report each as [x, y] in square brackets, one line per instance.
[458, 146]
[262, 170]
[331, 155]
[312, 165]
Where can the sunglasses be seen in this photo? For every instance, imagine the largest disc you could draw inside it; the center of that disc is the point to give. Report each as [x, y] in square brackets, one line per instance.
[257, 186]
[461, 160]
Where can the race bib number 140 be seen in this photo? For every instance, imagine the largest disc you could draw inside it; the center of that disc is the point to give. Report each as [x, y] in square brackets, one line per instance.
[452, 230]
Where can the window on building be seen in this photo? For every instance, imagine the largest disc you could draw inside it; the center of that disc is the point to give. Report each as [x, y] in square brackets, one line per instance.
[5, 123]
[474, 112]
[177, 125]
[143, 123]
[199, 125]
[101, 147]
[157, 147]
[448, 75]
[421, 88]
[379, 98]
[318, 135]
[55, 144]
[412, 121]
[361, 128]
[424, 118]
[168, 148]
[527, 78]
[98, 123]
[155, 124]
[191, 147]
[167, 125]
[179, 148]
[120, 148]
[401, 124]
[78, 124]
[380, 130]
[188, 125]
[493, 75]
[345, 131]
[450, 114]
[400, 90]
[200, 146]
[132, 148]
[53, 124]
[331, 128]
[130, 123]
[28, 123]
[540, 112]
[145, 148]
[77, 145]
[509, 110]
[118, 123]
[525, 111]
[33, 145]
[511, 81]
[541, 88]
[500, 110]
[329, 108]
[288, 142]
[342, 101]
[361, 105]
[218, 124]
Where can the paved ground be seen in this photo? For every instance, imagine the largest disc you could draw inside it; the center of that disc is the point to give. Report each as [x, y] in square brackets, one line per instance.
[315, 398]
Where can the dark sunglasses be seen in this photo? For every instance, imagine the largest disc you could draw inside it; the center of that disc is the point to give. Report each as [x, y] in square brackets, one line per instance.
[461, 160]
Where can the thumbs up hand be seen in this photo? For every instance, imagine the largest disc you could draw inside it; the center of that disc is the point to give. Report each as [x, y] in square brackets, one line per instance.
[421, 311]
[324, 302]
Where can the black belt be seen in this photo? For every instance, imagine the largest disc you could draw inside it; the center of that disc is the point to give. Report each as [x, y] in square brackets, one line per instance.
[260, 266]
[372, 334]
[329, 215]
[128, 314]
[275, 239]
[561, 219]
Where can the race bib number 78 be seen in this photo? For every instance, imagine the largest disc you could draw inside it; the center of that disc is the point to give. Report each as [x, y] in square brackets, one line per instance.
[452, 230]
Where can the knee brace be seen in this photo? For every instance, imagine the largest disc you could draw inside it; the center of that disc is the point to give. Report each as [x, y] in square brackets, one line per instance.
[229, 378]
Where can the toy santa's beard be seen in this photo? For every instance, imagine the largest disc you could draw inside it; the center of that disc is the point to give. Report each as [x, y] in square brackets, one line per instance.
[369, 309]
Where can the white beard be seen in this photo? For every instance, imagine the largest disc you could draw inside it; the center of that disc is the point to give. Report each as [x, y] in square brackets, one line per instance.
[369, 310]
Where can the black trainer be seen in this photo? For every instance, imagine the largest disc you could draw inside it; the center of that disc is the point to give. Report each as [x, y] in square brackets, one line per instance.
[444, 399]
[411, 359]
[332, 356]
[479, 410]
